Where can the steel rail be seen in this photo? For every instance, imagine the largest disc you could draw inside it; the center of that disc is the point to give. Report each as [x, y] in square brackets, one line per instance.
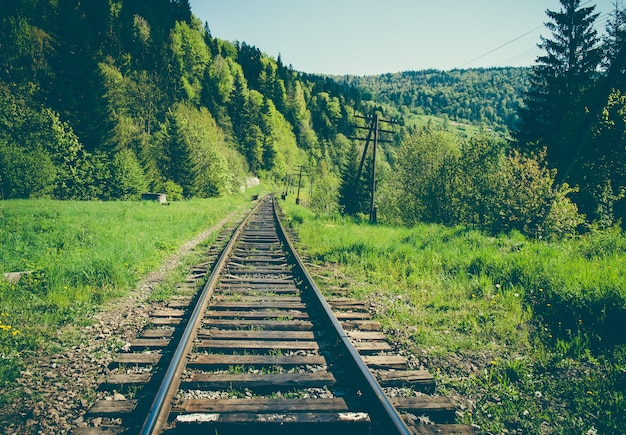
[159, 412]
[384, 409]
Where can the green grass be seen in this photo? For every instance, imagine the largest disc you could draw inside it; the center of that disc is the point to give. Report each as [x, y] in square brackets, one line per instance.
[81, 255]
[532, 333]
[422, 121]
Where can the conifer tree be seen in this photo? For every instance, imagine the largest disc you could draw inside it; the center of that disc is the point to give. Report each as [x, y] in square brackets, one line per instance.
[561, 84]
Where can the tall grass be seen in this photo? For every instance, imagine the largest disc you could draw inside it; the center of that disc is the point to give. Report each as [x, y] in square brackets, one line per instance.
[541, 326]
[79, 255]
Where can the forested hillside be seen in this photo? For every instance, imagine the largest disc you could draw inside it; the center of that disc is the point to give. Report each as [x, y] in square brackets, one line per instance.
[106, 99]
[480, 96]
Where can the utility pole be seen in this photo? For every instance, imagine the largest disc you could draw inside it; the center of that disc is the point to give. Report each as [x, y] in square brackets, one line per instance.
[299, 184]
[373, 130]
[373, 190]
[286, 190]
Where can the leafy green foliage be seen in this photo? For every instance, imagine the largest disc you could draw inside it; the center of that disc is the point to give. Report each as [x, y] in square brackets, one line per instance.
[25, 174]
[443, 178]
[41, 155]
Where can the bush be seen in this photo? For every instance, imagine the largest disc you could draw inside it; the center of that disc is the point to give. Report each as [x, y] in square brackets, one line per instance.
[173, 191]
[25, 173]
[325, 198]
[563, 218]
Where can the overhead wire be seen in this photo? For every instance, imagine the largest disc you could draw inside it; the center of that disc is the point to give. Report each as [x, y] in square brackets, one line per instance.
[531, 54]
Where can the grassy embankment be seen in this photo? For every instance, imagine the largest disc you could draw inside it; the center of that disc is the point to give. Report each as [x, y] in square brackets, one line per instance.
[82, 254]
[531, 334]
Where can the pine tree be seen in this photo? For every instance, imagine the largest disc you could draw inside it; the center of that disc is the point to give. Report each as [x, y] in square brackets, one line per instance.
[561, 84]
[180, 167]
[239, 107]
[353, 192]
[615, 42]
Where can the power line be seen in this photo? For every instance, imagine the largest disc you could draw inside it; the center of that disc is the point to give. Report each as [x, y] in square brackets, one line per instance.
[503, 45]
[534, 52]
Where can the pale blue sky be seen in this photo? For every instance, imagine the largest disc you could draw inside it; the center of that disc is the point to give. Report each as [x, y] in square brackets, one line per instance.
[364, 37]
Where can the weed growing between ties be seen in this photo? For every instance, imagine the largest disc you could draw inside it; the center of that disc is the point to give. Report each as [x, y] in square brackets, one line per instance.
[530, 333]
[80, 255]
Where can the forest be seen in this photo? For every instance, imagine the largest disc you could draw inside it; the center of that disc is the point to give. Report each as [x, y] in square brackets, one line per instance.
[106, 99]
[489, 96]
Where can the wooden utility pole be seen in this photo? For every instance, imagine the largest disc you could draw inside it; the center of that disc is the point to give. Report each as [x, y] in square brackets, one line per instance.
[299, 184]
[373, 190]
[373, 130]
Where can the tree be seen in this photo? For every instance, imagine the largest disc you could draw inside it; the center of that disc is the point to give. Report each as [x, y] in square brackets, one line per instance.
[239, 107]
[194, 152]
[615, 43]
[354, 194]
[325, 195]
[424, 175]
[177, 163]
[561, 84]
[249, 57]
[128, 178]
[190, 58]
[25, 173]
[606, 180]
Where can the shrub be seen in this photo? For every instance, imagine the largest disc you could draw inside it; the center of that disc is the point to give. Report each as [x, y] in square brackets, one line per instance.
[173, 191]
[563, 218]
[25, 173]
[325, 196]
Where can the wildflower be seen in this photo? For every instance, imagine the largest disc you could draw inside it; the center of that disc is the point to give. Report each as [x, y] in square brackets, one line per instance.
[590, 393]
[548, 305]
[538, 394]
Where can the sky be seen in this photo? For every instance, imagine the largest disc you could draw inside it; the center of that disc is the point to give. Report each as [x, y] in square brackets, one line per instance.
[367, 37]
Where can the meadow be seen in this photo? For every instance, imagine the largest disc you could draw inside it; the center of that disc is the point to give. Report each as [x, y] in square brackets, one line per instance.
[528, 335]
[79, 255]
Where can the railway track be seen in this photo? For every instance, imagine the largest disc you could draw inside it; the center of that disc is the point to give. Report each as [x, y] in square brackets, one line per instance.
[250, 345]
